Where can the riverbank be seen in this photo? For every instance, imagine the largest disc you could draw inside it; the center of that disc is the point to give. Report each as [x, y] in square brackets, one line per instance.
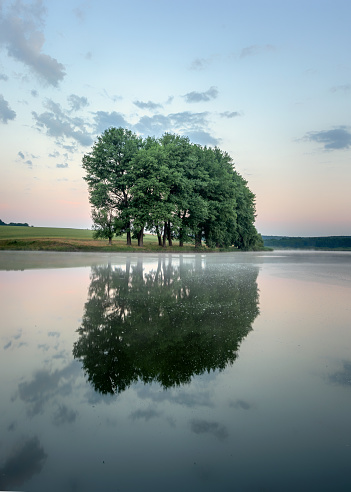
[17, 238]
[91, 245]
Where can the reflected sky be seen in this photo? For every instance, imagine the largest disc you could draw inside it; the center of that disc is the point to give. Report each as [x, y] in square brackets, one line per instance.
[167, 324]
[184, 372]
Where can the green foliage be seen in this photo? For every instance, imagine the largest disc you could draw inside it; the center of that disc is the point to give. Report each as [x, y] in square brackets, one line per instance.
[17, 224]
[109, 177]
[165, 325]
[171, 187]
[329, 242]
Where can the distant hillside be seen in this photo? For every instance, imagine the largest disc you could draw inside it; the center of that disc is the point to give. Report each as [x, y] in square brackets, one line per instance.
[24, 224]
[328, 242]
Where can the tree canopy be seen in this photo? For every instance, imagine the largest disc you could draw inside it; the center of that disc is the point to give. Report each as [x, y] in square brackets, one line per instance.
[171, 187]
[164, 325]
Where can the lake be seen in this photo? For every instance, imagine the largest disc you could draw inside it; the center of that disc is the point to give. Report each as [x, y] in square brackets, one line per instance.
[217, 372]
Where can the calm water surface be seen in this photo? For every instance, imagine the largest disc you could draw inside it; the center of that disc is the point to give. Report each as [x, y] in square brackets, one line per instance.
[227, 372]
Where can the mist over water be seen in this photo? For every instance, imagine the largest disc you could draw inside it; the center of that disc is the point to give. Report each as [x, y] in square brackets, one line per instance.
[175, 372]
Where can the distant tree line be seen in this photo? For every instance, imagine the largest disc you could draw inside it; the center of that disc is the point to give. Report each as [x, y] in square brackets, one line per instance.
[171, 187]
[14, 224]
[329, 242]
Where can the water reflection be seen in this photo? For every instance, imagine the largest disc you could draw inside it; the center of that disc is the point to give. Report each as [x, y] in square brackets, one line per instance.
[27, 459]
[45, 386]
[342, 377]
[164, 324]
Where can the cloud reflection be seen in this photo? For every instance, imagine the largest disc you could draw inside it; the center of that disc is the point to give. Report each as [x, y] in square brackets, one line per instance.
[45, 385]
[205, 427]
[145, 414]
[64, 415]
[184, 398]
[27, 459]
[241, 404]
[342, 377]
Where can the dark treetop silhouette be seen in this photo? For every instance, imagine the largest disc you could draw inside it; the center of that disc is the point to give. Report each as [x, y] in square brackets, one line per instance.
[165, 325]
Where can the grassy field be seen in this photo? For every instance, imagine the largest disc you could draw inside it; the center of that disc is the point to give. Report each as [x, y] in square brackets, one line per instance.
[60, 239]
[18, 232]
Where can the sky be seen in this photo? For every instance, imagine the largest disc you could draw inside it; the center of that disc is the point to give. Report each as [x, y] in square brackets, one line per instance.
[269, 82]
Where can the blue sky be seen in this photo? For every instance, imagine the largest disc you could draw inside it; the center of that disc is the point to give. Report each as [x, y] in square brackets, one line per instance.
[267, 81]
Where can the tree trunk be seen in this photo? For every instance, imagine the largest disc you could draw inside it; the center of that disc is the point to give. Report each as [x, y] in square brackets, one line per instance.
[169, 234]
[198, 237]
[164, 235]
[110, 241]
[181, 231]
[159, 236]
[141, 237]
[129, 239]
[181, 240]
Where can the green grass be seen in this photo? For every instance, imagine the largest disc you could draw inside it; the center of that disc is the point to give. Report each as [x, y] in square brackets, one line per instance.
[19, 232]
[18, 238]
[61, 239]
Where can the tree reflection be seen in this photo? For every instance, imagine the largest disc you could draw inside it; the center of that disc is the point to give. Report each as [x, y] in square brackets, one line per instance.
[164, 325]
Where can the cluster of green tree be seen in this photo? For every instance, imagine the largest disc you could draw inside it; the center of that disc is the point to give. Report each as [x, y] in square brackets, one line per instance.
[165, 325]
[171, 187]
[329, 242]
[14, 224]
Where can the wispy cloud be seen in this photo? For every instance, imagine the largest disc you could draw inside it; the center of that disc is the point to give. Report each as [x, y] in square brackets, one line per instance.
[255, 49]
[194, 125]
[24, 158]
[77, 102]
[21, 34]
[199, 64]
[230, 114]
[154, 125]
[113, 97]
[147, 105]
[202, 137]
[335, 139]
[341, 88]
[80, 12]
[194, 96]
[6, 113]
[104, 120]
[54, 154]
[59, 124]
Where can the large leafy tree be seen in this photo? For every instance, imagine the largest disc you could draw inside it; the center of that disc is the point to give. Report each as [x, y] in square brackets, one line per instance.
[180, 160]
[171, 187]
[109, 178]
[150, 205]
